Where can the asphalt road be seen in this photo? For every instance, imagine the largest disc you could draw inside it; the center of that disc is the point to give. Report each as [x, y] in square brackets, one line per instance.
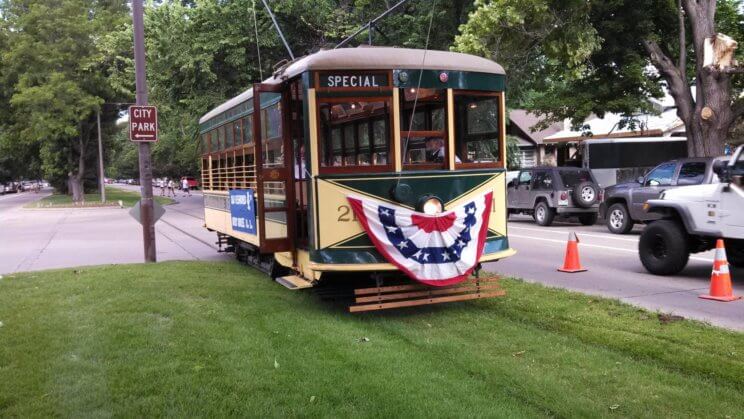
[36, 239]
[614, 270]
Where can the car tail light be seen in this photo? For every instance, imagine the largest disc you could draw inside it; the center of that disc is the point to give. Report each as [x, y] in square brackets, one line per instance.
[564, 196]
[601, 195]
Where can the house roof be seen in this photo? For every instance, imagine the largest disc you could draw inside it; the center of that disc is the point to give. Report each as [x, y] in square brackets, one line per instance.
[608, 127]
[523, 121]
[370, 58]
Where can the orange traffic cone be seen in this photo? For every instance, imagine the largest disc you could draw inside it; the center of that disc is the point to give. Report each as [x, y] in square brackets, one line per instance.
[571, 261]
[720, 279]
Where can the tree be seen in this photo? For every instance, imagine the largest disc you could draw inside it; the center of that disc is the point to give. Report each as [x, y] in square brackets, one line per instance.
[573, 58]
[55, 73]
[196, 61]
[712, 113]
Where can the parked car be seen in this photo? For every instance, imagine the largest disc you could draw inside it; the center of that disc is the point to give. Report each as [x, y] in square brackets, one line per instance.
[545, 192]
[11, 187]
[622, 206]
[193, 183]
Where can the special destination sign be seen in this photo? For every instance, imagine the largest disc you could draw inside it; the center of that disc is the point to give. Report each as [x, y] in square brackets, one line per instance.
[358, 80]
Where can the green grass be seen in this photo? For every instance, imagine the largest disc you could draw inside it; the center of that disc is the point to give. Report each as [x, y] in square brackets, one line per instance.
[113, 196]
[190, 339]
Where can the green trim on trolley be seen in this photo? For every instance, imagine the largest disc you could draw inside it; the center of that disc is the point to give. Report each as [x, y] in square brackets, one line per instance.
[462, 80]
[447, 186]
[238, 111]
[342, 93]
[365, 256]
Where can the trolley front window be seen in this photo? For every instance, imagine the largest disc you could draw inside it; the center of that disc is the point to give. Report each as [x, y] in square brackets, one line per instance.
[423, 135]
[478, 118]
[354, 132]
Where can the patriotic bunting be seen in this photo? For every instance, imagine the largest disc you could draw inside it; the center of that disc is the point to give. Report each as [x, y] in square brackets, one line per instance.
[438, 250]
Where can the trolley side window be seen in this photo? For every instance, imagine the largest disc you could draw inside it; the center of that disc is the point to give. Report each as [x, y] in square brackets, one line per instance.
[205, 143]
[423, 134]
[354, 132]
[271, 129]
[478, 134]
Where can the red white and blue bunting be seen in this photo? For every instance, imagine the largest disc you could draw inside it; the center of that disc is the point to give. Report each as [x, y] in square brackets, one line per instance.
[439, 250]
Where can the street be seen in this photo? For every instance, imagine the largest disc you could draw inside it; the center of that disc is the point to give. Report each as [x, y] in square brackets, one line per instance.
[37, 239]
[615, 271]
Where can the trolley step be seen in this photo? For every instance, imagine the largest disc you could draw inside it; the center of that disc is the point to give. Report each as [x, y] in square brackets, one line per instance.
[382, 298]
[294, 282]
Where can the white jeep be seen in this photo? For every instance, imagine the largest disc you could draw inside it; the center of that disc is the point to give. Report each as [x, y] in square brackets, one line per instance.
[693, 217]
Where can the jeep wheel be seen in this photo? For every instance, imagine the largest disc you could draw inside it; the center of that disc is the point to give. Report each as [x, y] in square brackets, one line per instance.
[544, 214]
[585, 194]
[588, 219]
[735, 252]
[618, 219]
[663, 247]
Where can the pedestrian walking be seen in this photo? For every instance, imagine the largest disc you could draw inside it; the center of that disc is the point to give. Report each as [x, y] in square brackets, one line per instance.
[162, 184]
[185, 186]
[172, 188]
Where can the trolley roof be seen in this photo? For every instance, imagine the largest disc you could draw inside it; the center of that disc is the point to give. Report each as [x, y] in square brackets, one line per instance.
[371, 58]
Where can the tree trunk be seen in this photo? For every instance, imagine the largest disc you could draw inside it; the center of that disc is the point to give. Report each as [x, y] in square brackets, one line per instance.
[707, 130]
[76, 179]
[709, 116]
[76, 188]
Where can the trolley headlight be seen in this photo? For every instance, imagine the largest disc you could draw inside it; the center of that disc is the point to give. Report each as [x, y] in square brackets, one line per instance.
[431, 205]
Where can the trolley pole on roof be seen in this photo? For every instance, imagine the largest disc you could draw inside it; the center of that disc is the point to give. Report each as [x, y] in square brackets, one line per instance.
[278, 29]
[145, 163]
[370, 25]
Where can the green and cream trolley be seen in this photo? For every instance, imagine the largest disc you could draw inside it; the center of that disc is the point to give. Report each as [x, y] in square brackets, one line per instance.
[417, 130]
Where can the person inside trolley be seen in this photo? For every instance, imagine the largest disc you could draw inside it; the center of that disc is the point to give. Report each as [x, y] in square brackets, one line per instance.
[435, 152]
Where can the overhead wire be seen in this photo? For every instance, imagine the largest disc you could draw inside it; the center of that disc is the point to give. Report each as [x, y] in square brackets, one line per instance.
[258, 47]
[418, 85]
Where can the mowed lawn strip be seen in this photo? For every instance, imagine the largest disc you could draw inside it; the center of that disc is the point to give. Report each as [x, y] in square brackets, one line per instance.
[219, 339]
[113, 196]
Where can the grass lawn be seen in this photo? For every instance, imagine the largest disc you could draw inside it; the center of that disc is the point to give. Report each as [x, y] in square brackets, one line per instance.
[191, 339]
[113, 195]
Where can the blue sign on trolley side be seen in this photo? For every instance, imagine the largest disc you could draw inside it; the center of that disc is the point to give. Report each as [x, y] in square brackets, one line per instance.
[243, 210]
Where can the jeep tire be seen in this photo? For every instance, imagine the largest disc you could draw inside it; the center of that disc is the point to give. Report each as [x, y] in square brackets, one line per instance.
[663, 247]
[588, 219]
[585, 194]
[618, 219]
[544, 214]
[735, 252]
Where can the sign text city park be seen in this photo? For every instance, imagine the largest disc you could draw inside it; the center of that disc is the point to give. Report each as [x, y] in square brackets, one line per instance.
[359, 80]
[143, 123]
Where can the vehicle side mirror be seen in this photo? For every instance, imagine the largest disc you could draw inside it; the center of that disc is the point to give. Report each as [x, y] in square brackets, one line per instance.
[653, 182]
[640, 180]
[719, 168]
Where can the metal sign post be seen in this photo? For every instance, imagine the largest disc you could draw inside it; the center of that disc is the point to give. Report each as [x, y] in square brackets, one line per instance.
[145, 165]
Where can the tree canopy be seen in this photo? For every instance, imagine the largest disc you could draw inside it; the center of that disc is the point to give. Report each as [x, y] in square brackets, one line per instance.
[574, 58]
[54, 71]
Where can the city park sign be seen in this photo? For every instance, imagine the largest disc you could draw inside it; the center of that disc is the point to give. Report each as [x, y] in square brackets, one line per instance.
[143, 124]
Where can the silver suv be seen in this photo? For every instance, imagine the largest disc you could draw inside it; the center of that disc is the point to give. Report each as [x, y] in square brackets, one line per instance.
[545, 192]
[623, 203]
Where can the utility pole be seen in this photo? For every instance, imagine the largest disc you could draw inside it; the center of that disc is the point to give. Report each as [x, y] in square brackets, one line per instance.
[100, 158]
[145, 164]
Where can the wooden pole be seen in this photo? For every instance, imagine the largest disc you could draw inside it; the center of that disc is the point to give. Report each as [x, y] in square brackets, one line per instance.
[145, 163]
